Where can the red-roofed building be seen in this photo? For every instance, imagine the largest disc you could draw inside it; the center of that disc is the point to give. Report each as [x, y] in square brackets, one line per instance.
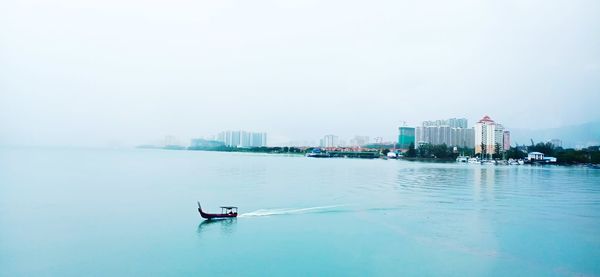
[488, 134]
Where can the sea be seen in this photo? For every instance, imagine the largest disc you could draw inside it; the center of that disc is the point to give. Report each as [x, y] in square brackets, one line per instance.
[133, 212]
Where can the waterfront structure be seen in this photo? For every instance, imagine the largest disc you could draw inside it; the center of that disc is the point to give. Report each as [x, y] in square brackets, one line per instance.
[242, 139]
[452, 132]
[535, 156]
[540, 157]
[488, 134]
[406, 136]
[330, 141]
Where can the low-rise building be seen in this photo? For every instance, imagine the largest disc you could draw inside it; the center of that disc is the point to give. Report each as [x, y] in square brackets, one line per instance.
[535, 156]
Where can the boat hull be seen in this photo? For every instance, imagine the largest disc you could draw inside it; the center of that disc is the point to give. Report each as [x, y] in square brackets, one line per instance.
[211, 216]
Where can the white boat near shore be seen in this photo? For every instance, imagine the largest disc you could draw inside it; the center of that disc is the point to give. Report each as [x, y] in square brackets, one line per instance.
[474, 161]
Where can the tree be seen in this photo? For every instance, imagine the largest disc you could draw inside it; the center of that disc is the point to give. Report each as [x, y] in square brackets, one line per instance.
[411, 153]
[466, 151]
[424, 151]
[546, 148]
[514, 153]
[441, 151]
[483, 152]
[496, 151]
[385, 151]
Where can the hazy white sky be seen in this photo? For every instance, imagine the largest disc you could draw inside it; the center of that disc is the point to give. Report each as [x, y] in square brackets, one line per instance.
[91, 72]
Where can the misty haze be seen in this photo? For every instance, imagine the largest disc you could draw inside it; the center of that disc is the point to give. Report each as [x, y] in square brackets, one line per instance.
[299, 138]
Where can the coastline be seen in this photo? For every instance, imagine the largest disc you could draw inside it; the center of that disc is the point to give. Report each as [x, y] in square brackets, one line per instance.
[294, 151]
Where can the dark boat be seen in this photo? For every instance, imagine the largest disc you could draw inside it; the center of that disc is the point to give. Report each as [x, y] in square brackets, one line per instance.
[226, 212]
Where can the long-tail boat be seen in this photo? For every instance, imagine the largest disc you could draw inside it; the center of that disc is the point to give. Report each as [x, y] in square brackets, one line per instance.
[226, 212]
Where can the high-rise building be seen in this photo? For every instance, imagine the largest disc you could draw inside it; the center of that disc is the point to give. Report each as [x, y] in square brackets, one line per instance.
[406, 136]
[258, 139]
[242, 139]
[452, 132]
[330, 141]
[170, 141]
[359, 141]
[462, 137]
[488, 134]
[506, 140]
[457, 123]
[452, 122]
[499, 137]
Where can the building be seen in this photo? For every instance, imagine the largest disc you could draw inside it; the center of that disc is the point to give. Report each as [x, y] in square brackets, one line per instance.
[406, 136]
[330, 141]
[457, 123]
[506, 140]
[499, 137]
[199, 143]
[452, 132]
[535, 156]
[170, 141]
[358, 141]
[242, 139]
[462, 137]
[488, 134]
[540, 157]
[452, 123]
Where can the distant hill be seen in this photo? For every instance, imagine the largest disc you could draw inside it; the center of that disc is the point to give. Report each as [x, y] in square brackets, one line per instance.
[587, 134]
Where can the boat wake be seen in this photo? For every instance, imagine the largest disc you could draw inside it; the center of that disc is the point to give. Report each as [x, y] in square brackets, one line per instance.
[271, 212]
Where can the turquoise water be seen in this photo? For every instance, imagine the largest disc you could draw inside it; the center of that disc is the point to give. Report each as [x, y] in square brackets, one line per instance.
[73, 212]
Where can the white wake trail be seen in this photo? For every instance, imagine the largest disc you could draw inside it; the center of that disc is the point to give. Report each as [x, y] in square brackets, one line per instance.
[270, 212]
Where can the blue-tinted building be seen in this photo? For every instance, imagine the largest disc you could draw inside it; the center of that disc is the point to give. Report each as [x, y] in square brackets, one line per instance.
[406, 137]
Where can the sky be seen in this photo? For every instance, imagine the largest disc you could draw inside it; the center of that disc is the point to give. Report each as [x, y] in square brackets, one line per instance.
[97, 73]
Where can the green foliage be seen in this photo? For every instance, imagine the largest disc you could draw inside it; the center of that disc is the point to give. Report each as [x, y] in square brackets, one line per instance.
[571, 156]
[563, 156]
[514, 153]
[547, 148]
[411, 153]
[595, 157]
[441, 151]
[497, 152]
[568, 156]
[466, 151]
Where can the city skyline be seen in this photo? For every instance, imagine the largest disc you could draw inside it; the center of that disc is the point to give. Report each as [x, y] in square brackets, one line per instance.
[194, 68]
[450, 139]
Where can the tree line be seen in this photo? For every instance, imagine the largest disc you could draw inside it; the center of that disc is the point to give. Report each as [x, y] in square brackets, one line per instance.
[589, 154]
[564, 156]
[440, 151]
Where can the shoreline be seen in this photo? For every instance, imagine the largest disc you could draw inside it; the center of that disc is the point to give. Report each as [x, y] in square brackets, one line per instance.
[275, 151]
